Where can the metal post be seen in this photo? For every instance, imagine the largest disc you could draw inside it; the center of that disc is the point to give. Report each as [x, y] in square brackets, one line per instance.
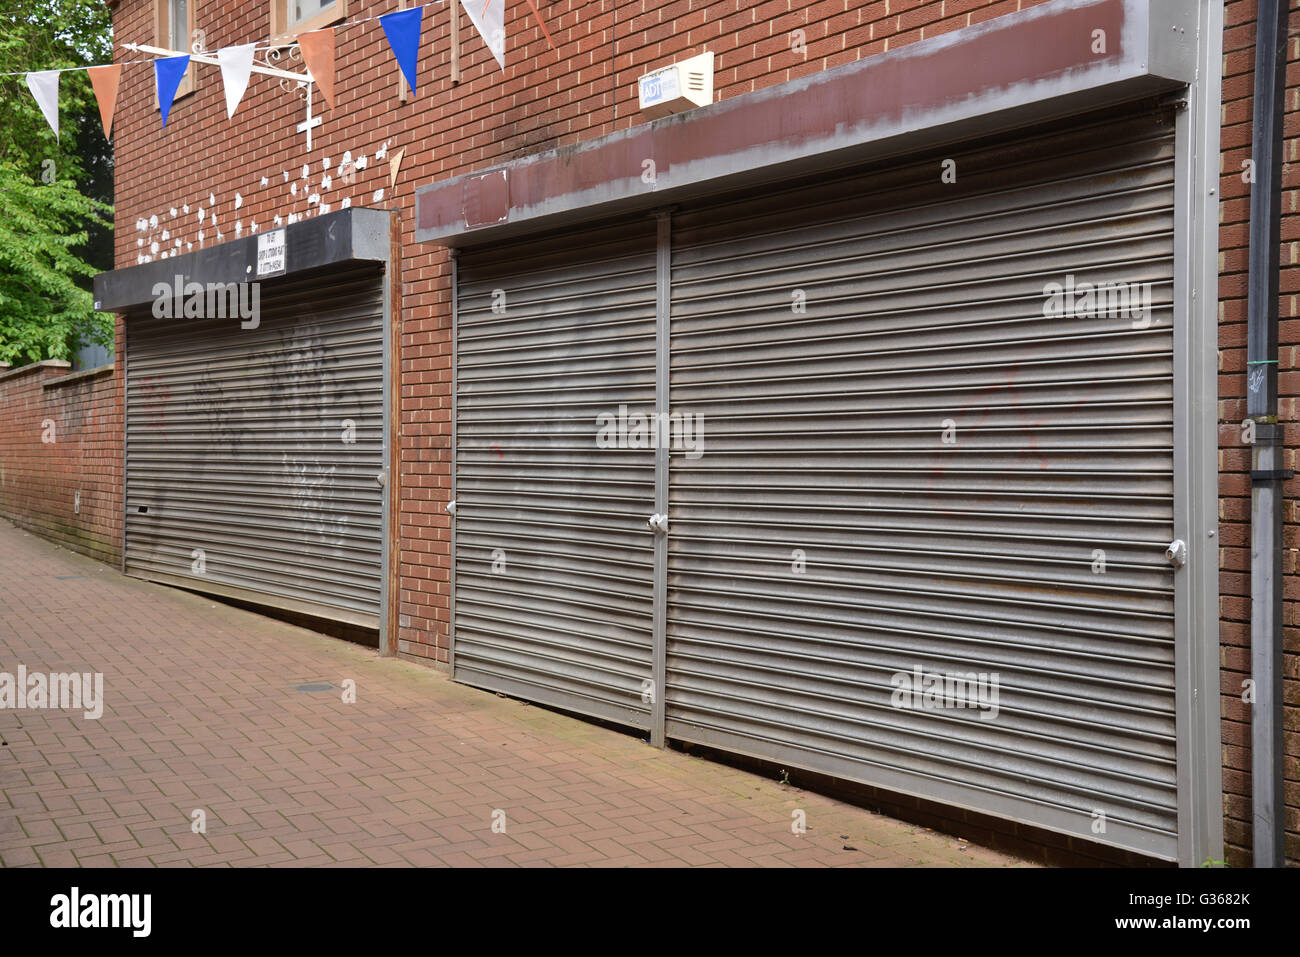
[1267, 453]
[659, 650]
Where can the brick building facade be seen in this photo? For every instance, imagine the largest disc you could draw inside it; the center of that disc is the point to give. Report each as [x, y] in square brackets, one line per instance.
[206, 179]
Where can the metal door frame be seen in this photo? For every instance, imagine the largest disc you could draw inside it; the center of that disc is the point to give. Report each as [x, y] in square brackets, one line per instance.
[1196, 481]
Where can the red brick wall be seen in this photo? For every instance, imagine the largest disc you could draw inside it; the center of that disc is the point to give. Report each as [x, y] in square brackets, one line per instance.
[39, 478]
[1234, 457]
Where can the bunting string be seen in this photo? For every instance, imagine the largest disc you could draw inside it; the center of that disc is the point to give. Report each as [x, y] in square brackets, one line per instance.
[259, 46]
[237, 63]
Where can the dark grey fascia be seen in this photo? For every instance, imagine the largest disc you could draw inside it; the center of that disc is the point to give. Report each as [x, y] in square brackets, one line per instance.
[347, 235]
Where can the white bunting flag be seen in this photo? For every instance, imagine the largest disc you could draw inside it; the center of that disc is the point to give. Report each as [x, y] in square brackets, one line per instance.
[489, 17]
[45, 88]
[236, 66]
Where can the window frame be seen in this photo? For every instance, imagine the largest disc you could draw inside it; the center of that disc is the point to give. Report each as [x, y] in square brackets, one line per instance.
[283, 31]
[162, 34]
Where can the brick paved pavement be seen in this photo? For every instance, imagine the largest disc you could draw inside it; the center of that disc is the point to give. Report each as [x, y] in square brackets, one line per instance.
[201, 713]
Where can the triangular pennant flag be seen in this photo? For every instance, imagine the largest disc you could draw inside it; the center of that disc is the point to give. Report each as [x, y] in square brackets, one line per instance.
[403, 31]
[394, 165]
[45, 88]
[104, 80]
[168, 72]
[489, 18]
[318, 52]
[537, 15]
[236, 67]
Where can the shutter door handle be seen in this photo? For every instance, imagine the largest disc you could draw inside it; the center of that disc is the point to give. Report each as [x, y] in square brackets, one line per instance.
[658, 523]
[1176, 553]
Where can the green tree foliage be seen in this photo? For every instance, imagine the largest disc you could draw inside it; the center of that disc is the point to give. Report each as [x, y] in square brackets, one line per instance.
[54, 195]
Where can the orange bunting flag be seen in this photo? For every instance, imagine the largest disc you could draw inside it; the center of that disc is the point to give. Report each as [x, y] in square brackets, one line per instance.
[104, 80]
[541, 23]
[318, 51]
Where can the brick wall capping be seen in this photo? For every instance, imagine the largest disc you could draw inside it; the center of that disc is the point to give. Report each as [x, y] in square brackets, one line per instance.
[1020, 68]
[78, 376]
[34, 366]
[346, 235]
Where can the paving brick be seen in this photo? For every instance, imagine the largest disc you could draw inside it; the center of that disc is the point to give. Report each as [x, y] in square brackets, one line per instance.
[292, 779]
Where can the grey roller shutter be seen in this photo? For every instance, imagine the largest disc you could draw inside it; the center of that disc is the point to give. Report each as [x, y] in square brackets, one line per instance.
[553, 559]
[237, 450]
[828, 334]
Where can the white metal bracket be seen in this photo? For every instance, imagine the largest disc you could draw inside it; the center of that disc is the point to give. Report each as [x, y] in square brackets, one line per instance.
[303, 79]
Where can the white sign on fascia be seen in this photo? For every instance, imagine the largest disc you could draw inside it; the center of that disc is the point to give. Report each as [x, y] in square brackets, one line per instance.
[270, 253]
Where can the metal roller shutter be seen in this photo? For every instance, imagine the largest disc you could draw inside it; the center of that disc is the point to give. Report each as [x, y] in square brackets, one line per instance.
[236, 448]
[553, 558]
[827, 334]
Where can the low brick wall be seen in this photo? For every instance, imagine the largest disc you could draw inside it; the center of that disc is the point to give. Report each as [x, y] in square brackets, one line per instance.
[61, 455]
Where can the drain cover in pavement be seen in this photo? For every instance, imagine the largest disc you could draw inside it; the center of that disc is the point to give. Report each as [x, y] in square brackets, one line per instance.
[314, 686]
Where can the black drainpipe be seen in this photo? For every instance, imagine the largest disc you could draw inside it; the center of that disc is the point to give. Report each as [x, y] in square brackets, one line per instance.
[1267, 463]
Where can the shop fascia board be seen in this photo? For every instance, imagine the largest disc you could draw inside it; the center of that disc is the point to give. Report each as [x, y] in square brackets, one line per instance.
[1020, 68]
[346, 235]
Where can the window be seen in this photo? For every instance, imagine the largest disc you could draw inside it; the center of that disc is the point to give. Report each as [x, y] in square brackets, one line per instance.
[174, 30]
[292, 17]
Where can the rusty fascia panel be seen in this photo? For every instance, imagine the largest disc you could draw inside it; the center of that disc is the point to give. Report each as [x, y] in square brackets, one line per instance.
[1036, 64]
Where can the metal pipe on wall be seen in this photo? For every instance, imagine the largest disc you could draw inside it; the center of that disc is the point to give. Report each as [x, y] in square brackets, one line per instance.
[1267, 472]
